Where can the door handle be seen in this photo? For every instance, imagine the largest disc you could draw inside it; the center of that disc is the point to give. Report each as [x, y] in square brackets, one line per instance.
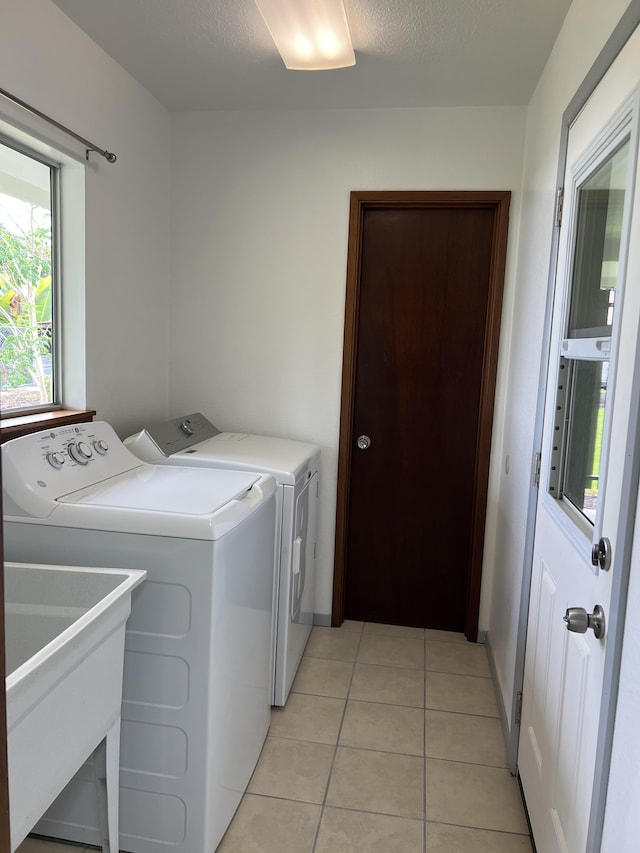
[579, 621]
[363, 442]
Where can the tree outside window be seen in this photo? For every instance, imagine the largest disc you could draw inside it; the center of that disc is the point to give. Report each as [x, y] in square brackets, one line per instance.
[25, 295]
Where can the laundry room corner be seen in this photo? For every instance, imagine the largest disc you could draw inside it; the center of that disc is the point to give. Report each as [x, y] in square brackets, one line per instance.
[259, 235]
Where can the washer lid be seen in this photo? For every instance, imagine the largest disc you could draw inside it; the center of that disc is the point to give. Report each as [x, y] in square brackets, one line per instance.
[175, 490]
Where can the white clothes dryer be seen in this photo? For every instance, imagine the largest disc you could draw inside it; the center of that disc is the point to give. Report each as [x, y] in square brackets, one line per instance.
[196, 693]
[194, 440]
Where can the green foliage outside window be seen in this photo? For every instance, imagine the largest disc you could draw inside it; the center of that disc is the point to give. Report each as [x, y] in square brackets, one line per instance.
[25, 306]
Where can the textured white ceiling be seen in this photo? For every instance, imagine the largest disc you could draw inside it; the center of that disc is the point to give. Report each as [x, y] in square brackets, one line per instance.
[217, 54]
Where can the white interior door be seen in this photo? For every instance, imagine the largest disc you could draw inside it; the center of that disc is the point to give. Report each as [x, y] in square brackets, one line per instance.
[592, 374]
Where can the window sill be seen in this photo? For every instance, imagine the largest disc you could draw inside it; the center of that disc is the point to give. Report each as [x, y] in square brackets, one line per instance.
[25, 424]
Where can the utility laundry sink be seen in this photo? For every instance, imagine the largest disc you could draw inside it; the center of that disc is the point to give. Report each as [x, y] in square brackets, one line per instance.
[64, 636]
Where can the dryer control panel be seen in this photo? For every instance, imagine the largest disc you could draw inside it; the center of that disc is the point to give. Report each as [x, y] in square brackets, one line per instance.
[159, 441]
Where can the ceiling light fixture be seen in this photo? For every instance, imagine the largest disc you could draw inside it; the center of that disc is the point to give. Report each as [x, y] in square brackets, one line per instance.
[311, 35]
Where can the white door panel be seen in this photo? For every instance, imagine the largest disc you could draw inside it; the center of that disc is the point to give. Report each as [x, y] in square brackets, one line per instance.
[586, 445]
[556, 756]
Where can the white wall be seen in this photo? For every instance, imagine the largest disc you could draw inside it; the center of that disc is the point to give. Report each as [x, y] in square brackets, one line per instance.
[47, 61]
[259, 212]
[587, 26]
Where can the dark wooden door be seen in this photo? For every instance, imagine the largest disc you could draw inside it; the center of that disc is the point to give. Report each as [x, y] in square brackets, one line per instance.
[426, 312]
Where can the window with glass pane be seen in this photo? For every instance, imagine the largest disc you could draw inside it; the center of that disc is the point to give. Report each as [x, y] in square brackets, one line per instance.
[597, 249]
[26, 282]
[584, 364]
[584, 433]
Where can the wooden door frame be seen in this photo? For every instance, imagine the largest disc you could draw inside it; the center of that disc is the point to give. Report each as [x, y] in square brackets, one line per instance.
[360, 202]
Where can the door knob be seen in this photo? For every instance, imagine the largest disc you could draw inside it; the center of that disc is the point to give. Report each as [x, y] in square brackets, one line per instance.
[601, 554]
[579, 621]
[363, 442]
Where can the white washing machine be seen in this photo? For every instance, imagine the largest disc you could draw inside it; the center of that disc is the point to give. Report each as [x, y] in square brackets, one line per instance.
[194, 440]
[196, 693]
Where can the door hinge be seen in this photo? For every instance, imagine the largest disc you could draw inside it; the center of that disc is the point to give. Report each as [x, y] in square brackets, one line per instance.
[559, 204]
[536, 470]
[518, 708]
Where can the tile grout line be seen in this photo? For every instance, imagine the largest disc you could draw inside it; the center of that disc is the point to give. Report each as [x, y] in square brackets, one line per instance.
[482, 828]
[467, 763]
[353, 809]
[471, 763]
[366, 663]
[335, 751]
[358, 748]
[463, 713]
[378, 702]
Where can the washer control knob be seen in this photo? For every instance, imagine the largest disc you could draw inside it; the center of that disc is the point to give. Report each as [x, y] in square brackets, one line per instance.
[55, 459]
[186, 428]
[80, 452]
[100, 446]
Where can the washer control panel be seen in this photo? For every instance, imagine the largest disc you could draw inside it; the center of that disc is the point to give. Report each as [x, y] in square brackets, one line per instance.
[46, 465]
[72, 444]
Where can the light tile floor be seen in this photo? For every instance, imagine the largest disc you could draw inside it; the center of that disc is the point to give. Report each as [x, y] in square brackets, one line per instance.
[390, 742]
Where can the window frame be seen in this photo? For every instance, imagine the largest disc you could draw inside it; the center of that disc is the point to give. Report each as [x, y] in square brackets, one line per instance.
[76, 176]
[55, 180]
[599, 347]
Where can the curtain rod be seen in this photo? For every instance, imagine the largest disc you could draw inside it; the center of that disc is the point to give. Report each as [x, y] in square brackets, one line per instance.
[109, 156]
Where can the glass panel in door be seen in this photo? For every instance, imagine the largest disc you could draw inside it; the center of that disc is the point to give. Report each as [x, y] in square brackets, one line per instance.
[584, 362]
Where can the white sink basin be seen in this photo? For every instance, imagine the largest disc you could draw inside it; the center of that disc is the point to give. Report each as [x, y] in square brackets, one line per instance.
[64, 637]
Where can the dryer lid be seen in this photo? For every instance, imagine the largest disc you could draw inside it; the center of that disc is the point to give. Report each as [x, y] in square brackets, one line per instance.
[193, 440]
[283, 458]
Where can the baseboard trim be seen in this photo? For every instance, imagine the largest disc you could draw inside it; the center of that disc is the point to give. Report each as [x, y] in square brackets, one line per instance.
[504, 719]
